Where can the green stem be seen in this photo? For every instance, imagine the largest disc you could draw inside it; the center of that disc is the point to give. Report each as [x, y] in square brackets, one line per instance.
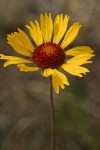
[53, 138]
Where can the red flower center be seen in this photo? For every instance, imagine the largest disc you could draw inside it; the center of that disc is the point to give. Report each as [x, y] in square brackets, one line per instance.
[48, 55]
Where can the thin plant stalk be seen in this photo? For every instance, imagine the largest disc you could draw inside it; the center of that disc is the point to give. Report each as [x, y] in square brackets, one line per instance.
[53, 136]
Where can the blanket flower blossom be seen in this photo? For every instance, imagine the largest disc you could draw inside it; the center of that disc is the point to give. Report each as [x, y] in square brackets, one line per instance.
[48, 52]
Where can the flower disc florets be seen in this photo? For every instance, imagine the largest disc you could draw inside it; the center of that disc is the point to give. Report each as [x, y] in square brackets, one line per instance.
[48, 55]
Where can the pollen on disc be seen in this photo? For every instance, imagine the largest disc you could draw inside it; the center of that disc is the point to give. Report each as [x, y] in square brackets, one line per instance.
[48, 55]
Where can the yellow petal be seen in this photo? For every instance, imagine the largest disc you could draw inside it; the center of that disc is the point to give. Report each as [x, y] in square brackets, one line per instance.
[46, 27]
[80, 59]
[59, 81]
[13, 60]
[47, 72]
[75, 70]
[58, 78]
[88, 62]
[20, 43]
[50, 28]
[79, 50]
[60, 26]
[35, 32]
[71, 35]
[25, 68]
[55, 84]
[61, 76]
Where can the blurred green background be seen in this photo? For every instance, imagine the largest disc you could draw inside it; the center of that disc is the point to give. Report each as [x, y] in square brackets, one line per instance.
[24, 97]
